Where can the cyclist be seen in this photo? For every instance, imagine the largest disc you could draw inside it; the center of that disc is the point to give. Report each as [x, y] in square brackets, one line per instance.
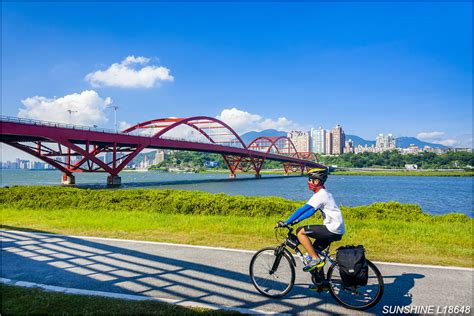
[333, 223]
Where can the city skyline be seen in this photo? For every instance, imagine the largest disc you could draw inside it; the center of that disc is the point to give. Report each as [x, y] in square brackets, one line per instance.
[35, 164]
[320, 141]
[255, 66]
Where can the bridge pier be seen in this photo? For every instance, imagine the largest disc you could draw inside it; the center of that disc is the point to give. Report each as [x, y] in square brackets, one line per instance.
[68, 179]
[114, 181]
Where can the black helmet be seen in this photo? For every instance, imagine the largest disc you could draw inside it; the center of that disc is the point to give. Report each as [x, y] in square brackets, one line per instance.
[320, 174]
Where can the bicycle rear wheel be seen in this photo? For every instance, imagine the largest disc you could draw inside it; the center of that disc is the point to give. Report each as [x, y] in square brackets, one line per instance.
[272, 284]
[359, 297]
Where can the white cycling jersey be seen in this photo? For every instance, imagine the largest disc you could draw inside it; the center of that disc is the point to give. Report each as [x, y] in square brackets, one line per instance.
[332, 216]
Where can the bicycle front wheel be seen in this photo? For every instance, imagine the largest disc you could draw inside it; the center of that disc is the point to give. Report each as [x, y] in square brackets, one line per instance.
[270, 283]
[358, 297]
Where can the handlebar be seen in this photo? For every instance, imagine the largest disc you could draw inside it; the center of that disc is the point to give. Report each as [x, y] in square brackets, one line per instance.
[290, 229]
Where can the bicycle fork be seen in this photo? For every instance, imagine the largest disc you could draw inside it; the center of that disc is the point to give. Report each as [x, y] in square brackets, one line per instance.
[278, 255]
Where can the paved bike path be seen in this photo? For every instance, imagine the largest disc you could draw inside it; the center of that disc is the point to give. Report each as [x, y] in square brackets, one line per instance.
[189, 274]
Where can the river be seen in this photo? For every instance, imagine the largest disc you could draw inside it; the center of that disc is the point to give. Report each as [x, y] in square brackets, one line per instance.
[435, 195]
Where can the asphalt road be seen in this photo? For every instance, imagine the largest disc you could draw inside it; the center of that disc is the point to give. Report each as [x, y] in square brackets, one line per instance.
[189, 274]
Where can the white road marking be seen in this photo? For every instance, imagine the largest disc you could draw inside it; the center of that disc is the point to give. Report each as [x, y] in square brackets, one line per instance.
[224, 249]
[188, 304]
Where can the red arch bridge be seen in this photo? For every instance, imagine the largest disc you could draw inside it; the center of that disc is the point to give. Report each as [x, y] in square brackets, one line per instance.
[73, 148]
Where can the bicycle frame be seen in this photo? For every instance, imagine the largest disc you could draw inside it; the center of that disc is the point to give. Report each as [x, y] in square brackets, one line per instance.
[354, 297]
[289, 242]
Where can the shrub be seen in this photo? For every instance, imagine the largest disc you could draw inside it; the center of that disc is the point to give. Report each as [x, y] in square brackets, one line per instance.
[196, 202]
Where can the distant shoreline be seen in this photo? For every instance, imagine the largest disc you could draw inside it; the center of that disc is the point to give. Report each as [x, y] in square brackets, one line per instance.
[353, 172]
[384, 172]
[411, 173]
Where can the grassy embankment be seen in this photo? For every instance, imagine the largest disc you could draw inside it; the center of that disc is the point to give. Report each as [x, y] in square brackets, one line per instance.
[24, 301]
[390, 231]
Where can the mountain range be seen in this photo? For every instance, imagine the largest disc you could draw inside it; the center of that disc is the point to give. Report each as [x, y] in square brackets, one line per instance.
[250, 136]
[401, 142]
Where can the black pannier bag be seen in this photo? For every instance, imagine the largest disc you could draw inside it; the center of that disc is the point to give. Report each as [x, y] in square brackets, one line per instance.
[352, 265]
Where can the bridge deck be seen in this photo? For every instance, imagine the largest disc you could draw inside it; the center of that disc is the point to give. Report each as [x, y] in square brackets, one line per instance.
[23, 132]
[51, 141]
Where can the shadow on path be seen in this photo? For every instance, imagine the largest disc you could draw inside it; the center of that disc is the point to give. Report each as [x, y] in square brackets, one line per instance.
[152, 271]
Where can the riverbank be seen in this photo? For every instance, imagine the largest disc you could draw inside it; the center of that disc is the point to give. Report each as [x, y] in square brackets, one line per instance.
[364, 172]
[411, 173]
[390, 231]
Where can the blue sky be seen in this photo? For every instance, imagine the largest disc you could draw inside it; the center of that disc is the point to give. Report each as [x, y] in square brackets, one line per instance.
[373, 68]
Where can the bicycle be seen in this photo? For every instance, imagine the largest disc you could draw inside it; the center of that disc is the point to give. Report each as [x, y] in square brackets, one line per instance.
[272, 270]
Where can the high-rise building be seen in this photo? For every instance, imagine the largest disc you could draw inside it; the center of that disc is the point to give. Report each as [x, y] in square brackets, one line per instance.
[349, 147]
[391, 142]
[108, 157]
[338, 140]
[312, 140]
[159, 156]
[379, 143]
[385, 142]
[145, 163]
[328, 143]
[319, 141]
[300, 140]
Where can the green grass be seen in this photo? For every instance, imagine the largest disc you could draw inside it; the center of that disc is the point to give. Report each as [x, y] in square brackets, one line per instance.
[415, 173]
[25, 301]
[389, 231]
[385, 240]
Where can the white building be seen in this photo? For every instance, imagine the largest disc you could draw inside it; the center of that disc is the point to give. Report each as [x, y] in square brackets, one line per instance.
[312, 140]
[159, 156]
[365, 149]
[385, 142]
[318, 141]
[411, 167]
[412, 149]
[108, 157]
[300, 140]
[349, 146]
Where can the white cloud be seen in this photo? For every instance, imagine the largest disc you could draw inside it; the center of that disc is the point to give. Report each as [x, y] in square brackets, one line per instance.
[122, 125]
[463, 140]
[448, 142]
[243, 122]
[89, 105]
[135, 60]
[125, 75]
[429, 135]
